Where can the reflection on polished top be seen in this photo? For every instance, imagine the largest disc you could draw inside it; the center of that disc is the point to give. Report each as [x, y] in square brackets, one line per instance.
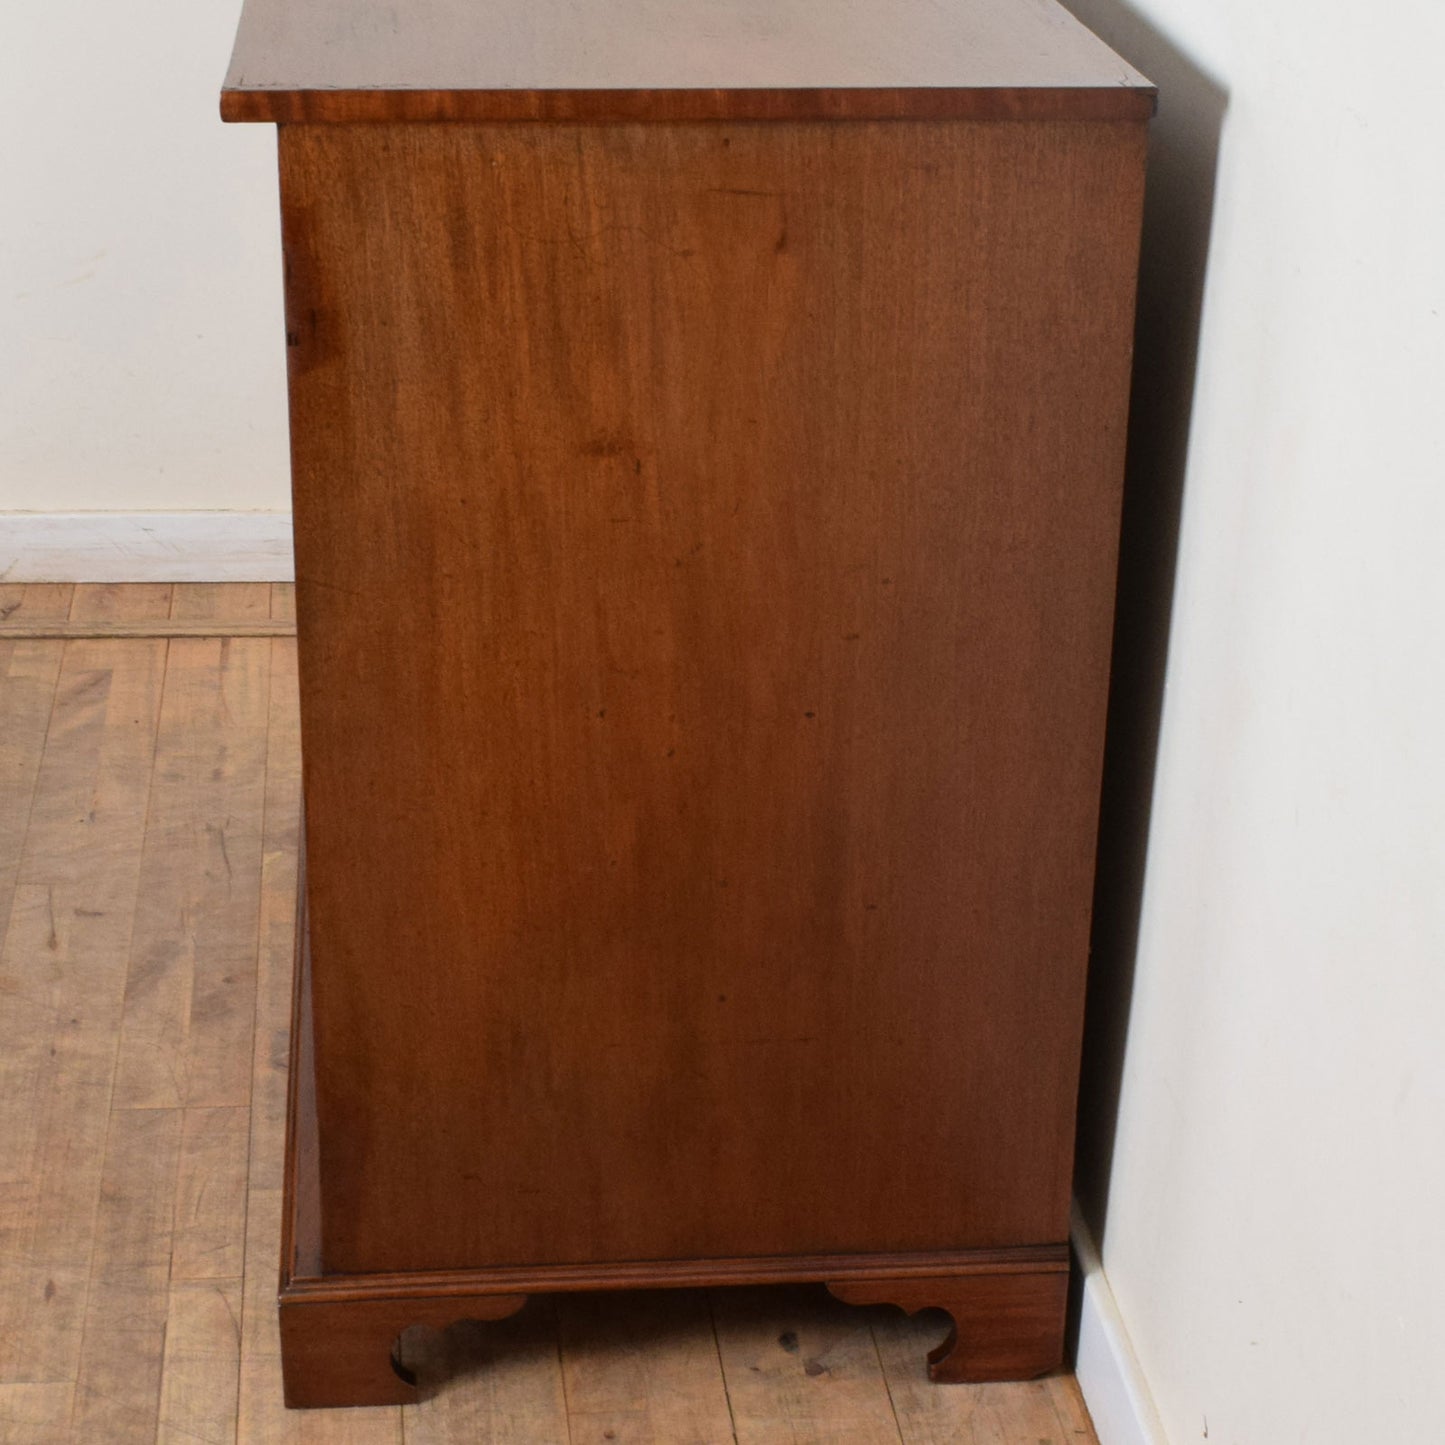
[733, 59]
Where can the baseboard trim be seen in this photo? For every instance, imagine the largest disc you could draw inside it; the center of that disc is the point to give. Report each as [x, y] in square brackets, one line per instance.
[1110, 1378]
[145, 547]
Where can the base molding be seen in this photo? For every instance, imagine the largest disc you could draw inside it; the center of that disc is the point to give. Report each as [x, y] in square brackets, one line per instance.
[1006, 1326]
[146, 547]
[919, 1272]
[339, 1332]
[1109, 1374]
[344, 1352]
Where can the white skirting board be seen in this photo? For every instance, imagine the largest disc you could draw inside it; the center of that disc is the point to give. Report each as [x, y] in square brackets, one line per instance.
[1110, 1379]
[145, 547]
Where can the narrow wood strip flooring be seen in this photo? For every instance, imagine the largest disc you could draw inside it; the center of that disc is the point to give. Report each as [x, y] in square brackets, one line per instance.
[149, 783]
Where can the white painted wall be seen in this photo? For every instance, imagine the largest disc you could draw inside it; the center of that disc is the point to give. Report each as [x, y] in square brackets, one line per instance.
[141, 353]
[1277, 1199]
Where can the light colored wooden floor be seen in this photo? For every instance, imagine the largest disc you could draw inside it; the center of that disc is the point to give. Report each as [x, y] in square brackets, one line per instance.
[148, 797]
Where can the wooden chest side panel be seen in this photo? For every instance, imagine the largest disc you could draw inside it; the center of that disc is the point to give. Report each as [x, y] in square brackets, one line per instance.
[705, 557]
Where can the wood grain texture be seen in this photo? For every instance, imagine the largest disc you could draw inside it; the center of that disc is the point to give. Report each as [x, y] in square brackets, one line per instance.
[118, 1386]
[480, 1381]
[342, 1335]
[35, 601]
[301, 1242]
[35, 1414]
[600, 107]
[669, 1386]
[882, 1270]
[28, 674]
[1004, 1326]
[97, 602]
[201, 1365]
[283, 602]
[736, 756]
[190, 988]
[262, 1412]
[40, 629]
[62, 974]
[636, 60]
[1039, 1412]
[211, 1195]
[276, 927]
[819, 1378]
[340, 1354]
[235, 604]
[485, 1380]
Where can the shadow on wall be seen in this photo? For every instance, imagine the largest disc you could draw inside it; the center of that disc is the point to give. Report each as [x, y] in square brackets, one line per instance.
[1179, 204]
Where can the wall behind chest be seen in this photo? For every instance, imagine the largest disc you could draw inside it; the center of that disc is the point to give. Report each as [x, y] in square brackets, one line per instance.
[1271, 1234]
[141, 357]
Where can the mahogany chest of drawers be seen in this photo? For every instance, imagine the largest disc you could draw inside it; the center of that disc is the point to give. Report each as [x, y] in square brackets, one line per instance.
[707, 433]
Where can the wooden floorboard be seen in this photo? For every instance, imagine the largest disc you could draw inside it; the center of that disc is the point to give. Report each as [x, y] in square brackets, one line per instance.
[1032, 1412]
[118, 1386]
[495, 1380]
[121, 601]
[46, 629]
[642, 1366]
[35, 601]
[190, 987]
[62, 976]
[800, 1367]
[29, 672]
[149, 804]
[202, 1361]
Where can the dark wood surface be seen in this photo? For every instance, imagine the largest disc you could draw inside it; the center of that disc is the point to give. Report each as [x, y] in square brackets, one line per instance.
[894, 103]
[345, 1353]
[350, 60]
[341, 1334]
[701, 851]
[1004, 1325]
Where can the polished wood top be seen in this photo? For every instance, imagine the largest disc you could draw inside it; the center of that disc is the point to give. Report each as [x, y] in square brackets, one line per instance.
[348, 60]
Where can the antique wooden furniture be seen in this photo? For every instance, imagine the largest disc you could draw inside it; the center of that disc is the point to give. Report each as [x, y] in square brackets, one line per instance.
[707, 443]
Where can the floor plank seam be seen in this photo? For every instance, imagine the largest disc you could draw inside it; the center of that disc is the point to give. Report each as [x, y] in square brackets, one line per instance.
[34, 793]
[887, 1380]
[561, 1374]
[76, 1402]
[50, 631]
[721, 1368]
